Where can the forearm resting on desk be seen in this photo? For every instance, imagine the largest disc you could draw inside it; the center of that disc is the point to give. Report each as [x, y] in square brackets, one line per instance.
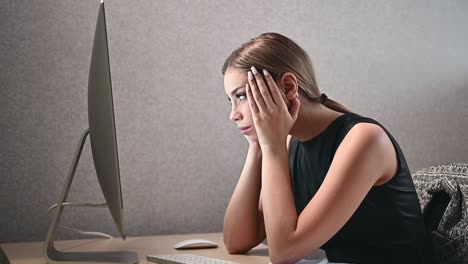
[243, 222]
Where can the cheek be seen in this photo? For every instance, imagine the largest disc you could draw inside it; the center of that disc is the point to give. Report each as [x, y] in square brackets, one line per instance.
[246, 110]
[247, 116]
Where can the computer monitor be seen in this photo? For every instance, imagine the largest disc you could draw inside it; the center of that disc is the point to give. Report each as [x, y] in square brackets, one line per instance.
[102, 123]
[105, 157]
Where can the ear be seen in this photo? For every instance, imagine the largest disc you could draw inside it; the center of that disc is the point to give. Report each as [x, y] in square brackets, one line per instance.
[289, 84]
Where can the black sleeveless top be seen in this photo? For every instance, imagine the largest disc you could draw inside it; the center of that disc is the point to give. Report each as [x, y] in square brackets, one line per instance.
[387, 227]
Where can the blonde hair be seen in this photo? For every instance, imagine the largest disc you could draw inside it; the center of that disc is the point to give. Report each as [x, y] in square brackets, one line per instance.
[278, 54]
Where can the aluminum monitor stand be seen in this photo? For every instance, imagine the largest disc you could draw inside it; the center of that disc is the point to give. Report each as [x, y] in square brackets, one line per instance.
[53, 256]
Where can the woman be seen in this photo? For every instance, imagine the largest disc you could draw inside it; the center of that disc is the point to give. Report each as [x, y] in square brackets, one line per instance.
[316, 175]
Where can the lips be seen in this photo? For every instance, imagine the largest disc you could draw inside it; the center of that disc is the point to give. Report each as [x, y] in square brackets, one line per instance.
[245, 129]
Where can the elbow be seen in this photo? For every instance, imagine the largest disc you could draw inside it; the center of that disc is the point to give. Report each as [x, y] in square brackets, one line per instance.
[283, 255]
[281, 259]
[234, 247]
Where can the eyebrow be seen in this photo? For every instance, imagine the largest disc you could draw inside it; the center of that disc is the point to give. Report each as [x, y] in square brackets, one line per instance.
[237, 89]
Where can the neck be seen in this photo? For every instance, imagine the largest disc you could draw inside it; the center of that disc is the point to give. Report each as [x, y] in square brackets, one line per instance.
[313, 118]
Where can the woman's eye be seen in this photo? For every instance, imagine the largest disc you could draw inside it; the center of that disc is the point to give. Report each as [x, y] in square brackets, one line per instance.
[241, 96]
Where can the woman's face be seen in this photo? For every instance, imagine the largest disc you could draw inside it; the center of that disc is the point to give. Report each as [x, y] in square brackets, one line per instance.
[234, 86]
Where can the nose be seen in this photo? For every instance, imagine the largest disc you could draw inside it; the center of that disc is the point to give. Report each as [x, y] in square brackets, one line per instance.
[235, 115]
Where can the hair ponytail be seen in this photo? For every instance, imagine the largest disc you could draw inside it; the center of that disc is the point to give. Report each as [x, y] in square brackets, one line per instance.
[334, 105]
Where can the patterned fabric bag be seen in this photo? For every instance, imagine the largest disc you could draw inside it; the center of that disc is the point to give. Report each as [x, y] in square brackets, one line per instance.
[443, 193]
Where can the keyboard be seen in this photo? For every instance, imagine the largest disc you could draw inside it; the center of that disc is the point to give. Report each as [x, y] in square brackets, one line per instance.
[185, 259]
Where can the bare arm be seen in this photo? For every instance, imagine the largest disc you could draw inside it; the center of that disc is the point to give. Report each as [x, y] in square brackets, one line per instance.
[244, 226]
[243, 221]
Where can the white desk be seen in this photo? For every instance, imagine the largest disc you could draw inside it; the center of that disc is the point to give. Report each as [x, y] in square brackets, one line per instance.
[31, 253]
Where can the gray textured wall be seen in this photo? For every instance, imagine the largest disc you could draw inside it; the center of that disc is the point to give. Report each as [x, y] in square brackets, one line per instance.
[404, 63]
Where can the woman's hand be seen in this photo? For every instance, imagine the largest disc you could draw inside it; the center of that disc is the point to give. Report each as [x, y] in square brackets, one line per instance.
[271, 116]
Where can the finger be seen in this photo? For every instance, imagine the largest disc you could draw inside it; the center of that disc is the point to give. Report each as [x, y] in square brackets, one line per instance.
[252, 104]
[275, 93]
[263, 88]
[256, 96]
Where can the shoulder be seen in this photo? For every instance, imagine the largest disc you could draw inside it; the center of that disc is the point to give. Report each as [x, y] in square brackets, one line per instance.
[366, 131]
[367, 136]
[368, 142]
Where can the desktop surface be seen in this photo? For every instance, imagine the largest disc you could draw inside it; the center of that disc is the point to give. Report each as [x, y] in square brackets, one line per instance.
[31, 252]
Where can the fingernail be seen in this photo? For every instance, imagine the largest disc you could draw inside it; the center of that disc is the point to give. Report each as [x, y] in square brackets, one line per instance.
[254, 70]
[265, 72]
[250, 76]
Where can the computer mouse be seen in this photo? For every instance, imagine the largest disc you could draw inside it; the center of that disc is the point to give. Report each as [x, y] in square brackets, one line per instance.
[195, 243]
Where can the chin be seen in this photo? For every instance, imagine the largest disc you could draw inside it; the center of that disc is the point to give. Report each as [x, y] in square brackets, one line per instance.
[253, 138]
